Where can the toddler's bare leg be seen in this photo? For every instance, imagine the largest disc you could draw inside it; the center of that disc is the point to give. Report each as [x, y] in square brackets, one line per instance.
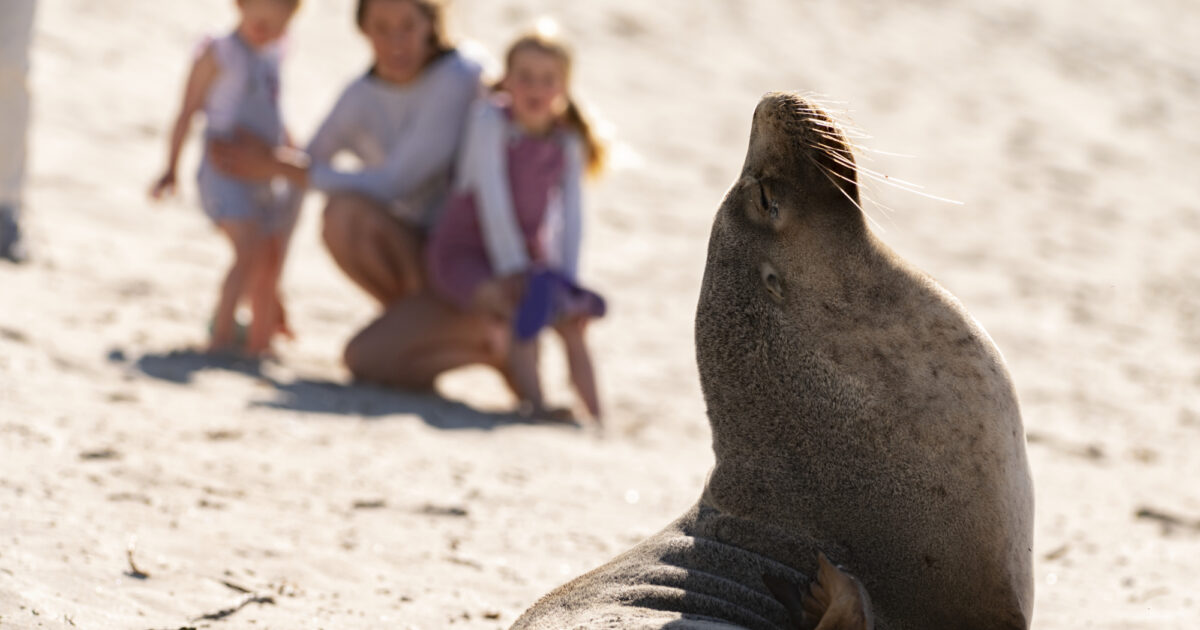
[242, 236]
[264, 296]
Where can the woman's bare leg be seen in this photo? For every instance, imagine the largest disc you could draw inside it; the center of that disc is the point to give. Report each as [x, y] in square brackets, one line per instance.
[379, 253]
[579, 363]
[419, 338]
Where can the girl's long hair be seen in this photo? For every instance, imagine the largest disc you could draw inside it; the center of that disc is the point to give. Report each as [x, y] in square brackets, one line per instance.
[596, 152]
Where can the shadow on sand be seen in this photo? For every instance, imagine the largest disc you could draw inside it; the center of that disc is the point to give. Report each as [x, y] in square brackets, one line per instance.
[351, 400]
[181, 366]
[369, 402]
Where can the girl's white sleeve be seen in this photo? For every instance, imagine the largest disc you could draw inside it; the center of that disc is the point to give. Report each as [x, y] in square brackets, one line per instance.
[484, 172]
[572, 207]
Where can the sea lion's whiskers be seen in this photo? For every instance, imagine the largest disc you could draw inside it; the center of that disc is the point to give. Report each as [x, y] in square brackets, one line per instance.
[933, 197]
[828, 175]
[824, 103]
[842, 151]
[905, 186]
[852, 132]
[865, 192]
[864, 148]
[882, 152]
[815, 118]
[845, 157]
[888, 178]
[839, 155]
[849, 180]
[900, 184]
[857, 134]
[882, 177]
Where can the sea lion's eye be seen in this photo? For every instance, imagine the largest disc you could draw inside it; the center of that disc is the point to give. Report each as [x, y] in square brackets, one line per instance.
[769, 207]
[766, 203]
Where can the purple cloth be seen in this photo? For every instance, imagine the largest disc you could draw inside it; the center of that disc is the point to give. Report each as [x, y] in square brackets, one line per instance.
[550, 296]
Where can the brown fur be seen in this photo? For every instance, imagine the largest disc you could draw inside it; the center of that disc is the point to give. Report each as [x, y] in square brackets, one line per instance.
[857, 411]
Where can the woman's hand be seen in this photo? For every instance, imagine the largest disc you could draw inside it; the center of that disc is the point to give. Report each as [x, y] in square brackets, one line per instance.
[164, 186]
[245, 157]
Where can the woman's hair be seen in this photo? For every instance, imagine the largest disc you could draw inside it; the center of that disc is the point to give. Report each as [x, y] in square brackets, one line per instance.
[433, 10]
[294, 5]
[596, 152]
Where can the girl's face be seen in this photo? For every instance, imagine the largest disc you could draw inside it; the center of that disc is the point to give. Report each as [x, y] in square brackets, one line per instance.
[537, 83]
[400, 36]
[264, 21]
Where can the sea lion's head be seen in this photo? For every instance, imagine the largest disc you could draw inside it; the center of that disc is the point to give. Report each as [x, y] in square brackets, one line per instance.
[784, 246]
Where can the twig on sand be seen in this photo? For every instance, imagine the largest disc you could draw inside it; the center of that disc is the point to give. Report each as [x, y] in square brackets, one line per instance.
[226, 612]
[134, 571]
[1168, 521]
[100, 454]
[240, 589]
[251, 598]
[443, 510]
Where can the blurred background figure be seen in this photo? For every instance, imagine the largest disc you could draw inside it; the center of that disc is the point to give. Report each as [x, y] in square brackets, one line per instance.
[234, 81]
[16, 32]
[496, 250]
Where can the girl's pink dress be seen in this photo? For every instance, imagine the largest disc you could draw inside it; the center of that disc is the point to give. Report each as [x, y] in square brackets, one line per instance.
[457, 257]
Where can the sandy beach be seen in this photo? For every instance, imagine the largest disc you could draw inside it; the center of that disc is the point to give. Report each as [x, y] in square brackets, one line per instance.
[143, 485]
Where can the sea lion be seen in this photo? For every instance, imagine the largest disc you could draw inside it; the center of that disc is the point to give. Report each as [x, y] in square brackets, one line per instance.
[858, 412]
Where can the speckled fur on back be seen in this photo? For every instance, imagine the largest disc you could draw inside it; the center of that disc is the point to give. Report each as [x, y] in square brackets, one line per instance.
[856, 409]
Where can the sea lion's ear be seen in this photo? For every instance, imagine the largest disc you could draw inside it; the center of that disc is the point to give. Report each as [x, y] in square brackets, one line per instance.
[771, 281]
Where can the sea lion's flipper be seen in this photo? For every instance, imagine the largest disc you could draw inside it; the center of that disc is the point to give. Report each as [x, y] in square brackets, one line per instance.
[837, 600]
[789, 594]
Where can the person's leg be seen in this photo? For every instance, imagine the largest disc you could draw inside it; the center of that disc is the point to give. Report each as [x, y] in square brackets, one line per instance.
[282, 227]
[282, 328]
[263, 290]
[379, 253]
[579, 363]
[523, 372]
[243, 237]
[16, 33]
[419, 338]
[524, 377]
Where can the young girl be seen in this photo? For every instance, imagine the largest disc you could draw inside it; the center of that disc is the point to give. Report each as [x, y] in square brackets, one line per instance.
[235, 82]
[508, 243]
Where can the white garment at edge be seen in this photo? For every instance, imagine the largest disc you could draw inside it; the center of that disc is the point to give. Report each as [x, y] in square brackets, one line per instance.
[16, 32]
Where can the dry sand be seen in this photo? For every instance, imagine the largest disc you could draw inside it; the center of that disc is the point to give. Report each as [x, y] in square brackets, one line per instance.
[1068, 129]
